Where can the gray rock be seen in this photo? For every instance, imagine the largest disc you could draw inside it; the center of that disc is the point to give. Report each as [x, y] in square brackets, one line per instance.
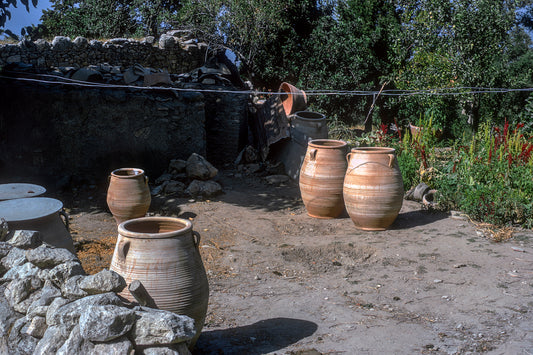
[42, 44]
[148, 40]
[69, 314]
[86, 74]
[61, 43]
[19, 289]
[19, 341]
[81, 42]
[7, 317]
[63, 271]
[76, 344]
[199, 168]
[22, 306]
[102, 282]
[52, 309]
[46, 256]
[121, 345]
[163, 178]
[105, 323]
[174, 349]
[4, 230]
[174, 187]
[71, 288]
[5, 248]
[21, 271]
[40, 306]
[161, 327]
[167, 42]
[203, 188]
[53, 338]
[177, 166]
[37, 327]
[277, 179]
[15, 257]
[25, 239]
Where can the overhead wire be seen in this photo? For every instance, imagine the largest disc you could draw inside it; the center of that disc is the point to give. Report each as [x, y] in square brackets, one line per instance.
[59, 80]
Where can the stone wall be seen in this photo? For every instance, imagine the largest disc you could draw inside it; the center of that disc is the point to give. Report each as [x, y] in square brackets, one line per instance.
[174, 52]
[56, 130]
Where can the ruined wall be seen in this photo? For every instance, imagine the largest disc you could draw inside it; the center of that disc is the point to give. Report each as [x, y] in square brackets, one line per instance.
[60, 130]
[174, 52]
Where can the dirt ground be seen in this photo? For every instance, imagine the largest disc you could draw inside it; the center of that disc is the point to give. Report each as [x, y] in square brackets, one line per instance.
[282, 282]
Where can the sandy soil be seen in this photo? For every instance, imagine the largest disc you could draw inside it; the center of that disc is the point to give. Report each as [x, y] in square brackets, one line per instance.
[282, 282]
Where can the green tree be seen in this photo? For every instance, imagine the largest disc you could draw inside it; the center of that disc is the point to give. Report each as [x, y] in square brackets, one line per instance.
[109, 18]
[462, 43]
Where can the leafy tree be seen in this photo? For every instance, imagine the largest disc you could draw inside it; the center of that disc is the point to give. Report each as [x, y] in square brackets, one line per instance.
[460, 43]
[109, 18]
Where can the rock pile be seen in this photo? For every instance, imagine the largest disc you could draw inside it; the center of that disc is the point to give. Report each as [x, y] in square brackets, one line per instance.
[191, 178]
[50, 306]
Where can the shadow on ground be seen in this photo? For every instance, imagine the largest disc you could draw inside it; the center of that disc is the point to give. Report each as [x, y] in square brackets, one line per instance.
[416, 218]
[259, 338]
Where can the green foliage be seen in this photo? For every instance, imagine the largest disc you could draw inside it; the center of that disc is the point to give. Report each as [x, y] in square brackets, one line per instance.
[109, 18]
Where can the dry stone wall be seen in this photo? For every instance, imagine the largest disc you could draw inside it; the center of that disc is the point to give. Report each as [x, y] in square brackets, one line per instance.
[175, 52]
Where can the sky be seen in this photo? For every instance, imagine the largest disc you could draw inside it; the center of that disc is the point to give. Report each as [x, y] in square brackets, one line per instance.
[22, 18]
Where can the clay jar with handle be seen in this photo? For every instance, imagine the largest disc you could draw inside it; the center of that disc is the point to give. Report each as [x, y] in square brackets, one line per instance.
[373, 187]
[162, 253]
[128, 195]
[322, 176]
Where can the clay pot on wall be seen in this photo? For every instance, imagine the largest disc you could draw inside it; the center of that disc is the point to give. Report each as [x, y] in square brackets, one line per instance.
[322, 176]
[294, 100]
[162, 253]
[373, 187]
[128, 195]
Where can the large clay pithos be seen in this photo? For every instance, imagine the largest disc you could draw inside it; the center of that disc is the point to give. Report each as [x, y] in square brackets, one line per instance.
[373, 187]
[322, 176]
[128, 195]
[162, 253]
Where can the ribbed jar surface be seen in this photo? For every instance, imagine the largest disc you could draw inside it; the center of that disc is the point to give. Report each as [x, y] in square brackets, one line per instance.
[322, 176]
[373, 187]
[162, 253]
[128, 194]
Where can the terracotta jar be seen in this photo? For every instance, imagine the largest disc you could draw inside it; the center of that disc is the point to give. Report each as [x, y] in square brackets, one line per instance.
[128, 195]
[162, 253]
[322, 176]
[294, 100]
[373, 187]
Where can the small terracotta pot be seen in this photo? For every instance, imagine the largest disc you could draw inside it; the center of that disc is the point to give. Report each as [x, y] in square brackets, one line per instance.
[295, 100]
[322, 176]
[373, 187]
[128, 195]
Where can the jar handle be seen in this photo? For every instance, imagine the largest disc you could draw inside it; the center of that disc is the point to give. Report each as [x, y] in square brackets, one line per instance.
[196, 239]
[312, 154]
[122, 249]
[65, 216]
[348, 157]
[145, 180]
[391, 160]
